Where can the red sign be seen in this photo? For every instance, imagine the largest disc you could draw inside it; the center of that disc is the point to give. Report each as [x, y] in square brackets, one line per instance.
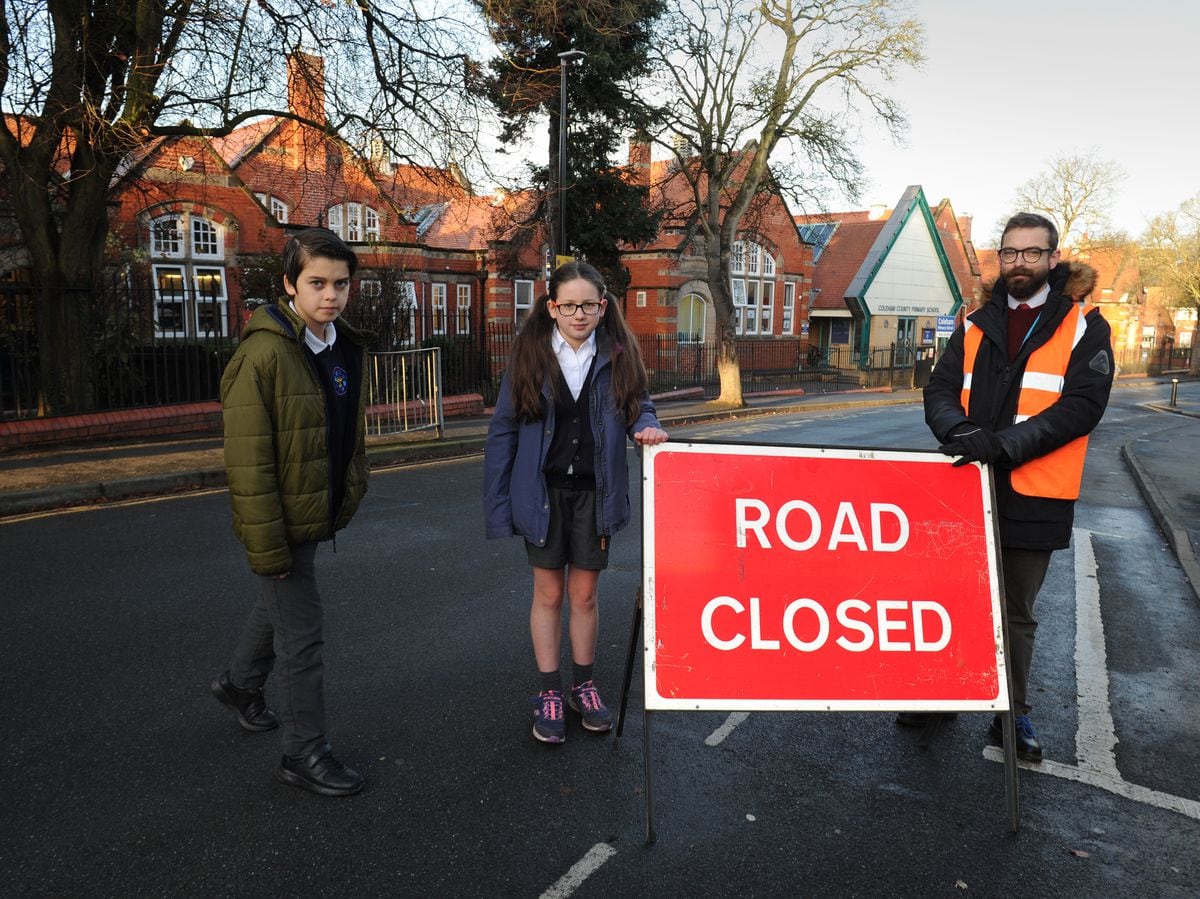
[806, 578]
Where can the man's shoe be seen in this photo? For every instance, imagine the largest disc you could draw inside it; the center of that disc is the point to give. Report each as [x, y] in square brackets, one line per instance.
[251, 708]
[585, 699]
[319, 773]
[922, 719]
[1028, 747]
[549, 725]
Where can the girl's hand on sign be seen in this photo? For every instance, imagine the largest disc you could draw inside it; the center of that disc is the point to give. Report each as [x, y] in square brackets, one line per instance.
[650, 436]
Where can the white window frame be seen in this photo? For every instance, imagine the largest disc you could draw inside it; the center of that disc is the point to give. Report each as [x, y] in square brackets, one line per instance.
[408, 299]
[369, 289]
[752, 283]
[641, 299]
[766, 314]
[789, 309]
[161, 300]
[750, 307]
[439, 308]
[521, 309]
[202, 301]
[737, 259]
[203, 233]
[353, 222]
[195, 250]
[279, 209]
[173, 248]
[462, 309]
[692, 302]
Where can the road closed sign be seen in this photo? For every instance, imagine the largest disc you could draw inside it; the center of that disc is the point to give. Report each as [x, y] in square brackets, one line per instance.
[815, 578]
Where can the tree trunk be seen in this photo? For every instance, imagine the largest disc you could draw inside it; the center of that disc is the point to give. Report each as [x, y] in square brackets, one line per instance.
[730, 370]
[64, 350]
[728, 367]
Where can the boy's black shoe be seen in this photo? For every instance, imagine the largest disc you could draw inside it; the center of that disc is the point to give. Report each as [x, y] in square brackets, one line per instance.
[251, 708]
[1028, 747]
[319, 773]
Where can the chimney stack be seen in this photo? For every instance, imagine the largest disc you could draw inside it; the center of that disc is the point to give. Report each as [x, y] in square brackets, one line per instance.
[639, 161]
[306, 86]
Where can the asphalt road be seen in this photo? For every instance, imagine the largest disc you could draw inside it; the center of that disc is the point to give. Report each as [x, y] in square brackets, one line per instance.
[124, 777]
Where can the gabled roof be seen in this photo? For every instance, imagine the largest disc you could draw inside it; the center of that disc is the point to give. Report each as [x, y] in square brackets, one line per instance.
[471, 222]
[858, 246]
[242, 141]
[417, 186]
[672, 193]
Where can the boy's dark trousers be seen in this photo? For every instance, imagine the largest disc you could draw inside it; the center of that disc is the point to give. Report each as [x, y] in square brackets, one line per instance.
[284, 632]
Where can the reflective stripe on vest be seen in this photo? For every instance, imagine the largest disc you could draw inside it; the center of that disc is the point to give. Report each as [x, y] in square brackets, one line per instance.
[1058, 474]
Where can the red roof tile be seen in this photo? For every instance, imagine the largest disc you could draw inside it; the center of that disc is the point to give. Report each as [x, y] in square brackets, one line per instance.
[843, 257]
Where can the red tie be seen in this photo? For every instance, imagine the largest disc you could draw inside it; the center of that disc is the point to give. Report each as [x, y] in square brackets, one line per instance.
[1024, 307]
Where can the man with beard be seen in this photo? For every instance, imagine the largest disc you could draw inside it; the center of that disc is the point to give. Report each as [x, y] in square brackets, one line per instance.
[1020, 387]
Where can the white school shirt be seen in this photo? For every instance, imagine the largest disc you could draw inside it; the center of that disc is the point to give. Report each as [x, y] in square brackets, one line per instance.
[315, 343]
[574, 363]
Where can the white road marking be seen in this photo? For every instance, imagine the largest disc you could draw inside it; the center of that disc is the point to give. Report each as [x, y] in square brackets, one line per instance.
[580, 871]
[1096, 739]
[734, 719]
[1110, 782]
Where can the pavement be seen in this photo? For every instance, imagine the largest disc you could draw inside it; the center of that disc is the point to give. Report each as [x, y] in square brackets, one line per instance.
[70, 476]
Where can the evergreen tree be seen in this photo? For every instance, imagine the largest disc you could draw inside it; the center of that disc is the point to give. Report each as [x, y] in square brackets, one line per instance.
[603, 207]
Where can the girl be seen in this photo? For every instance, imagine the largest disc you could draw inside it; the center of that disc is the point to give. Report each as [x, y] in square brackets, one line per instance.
[555, 472]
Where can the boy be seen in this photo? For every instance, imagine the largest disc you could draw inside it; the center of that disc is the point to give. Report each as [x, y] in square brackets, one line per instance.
[295, 458]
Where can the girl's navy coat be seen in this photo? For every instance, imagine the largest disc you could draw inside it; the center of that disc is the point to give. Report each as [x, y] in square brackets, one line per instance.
[515, 497]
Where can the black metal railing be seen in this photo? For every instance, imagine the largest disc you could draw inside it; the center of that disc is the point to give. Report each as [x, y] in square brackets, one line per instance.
[147, 348]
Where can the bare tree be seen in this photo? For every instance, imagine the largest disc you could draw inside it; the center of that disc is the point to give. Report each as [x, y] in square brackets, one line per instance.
[1170, 257]
[743, 78]
[1075, 192]
[86, 85]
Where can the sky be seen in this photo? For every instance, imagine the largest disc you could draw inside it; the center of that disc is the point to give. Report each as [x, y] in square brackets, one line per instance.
[1007, 86]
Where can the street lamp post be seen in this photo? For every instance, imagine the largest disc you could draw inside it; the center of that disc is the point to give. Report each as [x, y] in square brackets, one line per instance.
[560, 245]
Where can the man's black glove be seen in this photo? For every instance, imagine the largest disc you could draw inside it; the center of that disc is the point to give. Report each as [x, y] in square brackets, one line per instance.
[971, 443]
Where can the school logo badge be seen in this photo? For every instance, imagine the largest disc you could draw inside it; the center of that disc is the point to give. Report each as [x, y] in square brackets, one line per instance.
[341, 381]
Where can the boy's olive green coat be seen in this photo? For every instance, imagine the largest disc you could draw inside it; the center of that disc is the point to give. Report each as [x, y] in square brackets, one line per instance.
[277, 441]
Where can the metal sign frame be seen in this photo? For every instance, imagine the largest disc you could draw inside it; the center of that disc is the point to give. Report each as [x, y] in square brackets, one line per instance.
[644, 612]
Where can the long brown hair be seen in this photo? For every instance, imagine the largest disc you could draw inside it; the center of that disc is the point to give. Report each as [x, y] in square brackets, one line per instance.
[532, 360]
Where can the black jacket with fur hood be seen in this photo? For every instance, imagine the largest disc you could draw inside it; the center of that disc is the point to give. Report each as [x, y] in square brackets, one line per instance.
[1026, 522]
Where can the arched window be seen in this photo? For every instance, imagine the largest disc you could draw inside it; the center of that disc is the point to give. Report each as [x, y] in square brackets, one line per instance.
[278, 207]
[187, 255]
[693, 314]
[752, 283]
[353, 222]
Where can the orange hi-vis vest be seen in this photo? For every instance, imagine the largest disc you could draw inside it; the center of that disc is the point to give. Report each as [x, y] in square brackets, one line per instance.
[1058, 474]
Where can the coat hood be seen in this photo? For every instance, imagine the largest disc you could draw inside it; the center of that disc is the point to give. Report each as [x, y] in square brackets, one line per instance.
[1075, 280]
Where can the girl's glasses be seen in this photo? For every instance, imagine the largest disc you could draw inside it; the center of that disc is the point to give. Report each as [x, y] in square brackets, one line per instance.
[589, 308]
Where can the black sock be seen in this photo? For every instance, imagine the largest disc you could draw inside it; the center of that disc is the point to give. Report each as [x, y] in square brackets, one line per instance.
[549, 680]
[583, 673]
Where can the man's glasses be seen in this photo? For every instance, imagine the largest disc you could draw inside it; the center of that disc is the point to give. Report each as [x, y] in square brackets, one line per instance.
[589, 308]
[1029, 254]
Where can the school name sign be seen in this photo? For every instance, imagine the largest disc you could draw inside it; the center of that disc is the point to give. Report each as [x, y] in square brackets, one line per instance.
[816, 578]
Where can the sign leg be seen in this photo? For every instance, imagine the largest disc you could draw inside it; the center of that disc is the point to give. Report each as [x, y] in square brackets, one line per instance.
[1009, 728]
[648, 764]
[630, 654]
